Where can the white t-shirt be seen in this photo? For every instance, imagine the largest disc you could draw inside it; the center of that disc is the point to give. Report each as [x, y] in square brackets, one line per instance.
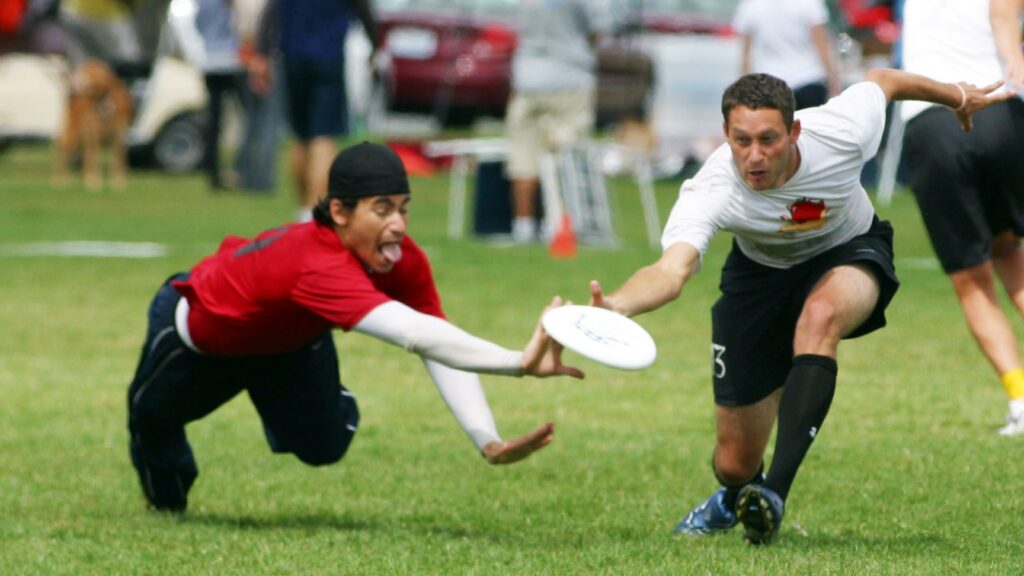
[948, 40]
[781, 42]
[554, 51]
[821, 206]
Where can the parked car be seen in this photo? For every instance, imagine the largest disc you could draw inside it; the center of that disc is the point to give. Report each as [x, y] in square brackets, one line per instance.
[170, 97]
[453, 59]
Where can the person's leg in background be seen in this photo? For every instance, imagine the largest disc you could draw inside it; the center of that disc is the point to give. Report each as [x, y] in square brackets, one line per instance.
[318, 109]
[256, 161]
[1008, 261]
[521, 167]
[967, 188]
[218, 86]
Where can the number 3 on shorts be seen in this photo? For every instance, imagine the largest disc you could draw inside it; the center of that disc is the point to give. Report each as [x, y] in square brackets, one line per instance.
[717, 351]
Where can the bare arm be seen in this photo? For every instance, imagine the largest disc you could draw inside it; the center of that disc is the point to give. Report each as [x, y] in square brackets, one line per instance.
[652, 286]
[823, 45]
[1004, 15]
[745, 55]
[965, 99]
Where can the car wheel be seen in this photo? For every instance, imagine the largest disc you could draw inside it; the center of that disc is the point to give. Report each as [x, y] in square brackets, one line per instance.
[180, 146]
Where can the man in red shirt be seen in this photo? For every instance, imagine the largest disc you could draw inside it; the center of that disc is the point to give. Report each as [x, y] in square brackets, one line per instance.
[258, 314]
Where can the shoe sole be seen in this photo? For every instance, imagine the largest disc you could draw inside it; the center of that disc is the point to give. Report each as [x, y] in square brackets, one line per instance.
[755, 514]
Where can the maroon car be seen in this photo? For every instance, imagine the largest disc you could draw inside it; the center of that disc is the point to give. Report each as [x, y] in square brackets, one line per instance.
[453, 59]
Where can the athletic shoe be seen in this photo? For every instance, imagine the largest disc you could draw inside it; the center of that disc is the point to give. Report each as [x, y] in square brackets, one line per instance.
[165, 480]
[1014, 425]
[760, 510]
[711, 517]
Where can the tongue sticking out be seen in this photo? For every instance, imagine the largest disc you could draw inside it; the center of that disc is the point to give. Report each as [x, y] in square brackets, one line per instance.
[393, 252]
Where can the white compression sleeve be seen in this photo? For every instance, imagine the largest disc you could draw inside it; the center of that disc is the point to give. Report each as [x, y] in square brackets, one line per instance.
[439, 340]
[464, 396]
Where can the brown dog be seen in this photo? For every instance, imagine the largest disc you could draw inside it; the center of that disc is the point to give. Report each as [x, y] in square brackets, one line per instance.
[99, 113]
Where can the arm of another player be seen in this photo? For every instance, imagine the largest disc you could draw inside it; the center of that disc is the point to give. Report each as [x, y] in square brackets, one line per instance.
[823, 46]
[965, 99]
[652, 286]
[1004, 15]
[746, 45]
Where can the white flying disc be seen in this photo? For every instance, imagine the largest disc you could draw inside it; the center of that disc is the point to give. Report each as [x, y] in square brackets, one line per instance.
[602, 336]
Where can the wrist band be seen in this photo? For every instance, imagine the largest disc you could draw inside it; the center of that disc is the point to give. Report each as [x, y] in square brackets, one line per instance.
[963, 98]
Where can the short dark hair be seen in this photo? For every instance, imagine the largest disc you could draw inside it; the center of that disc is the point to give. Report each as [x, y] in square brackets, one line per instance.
[757, 91]
[322, 210]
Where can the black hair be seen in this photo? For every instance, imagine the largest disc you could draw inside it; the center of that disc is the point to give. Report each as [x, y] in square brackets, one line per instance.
[757, 91]
[322, 210]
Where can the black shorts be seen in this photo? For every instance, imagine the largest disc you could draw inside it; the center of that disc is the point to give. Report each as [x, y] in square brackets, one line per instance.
[754, 321]
[969, 185]
[810, 95]
[317, 101]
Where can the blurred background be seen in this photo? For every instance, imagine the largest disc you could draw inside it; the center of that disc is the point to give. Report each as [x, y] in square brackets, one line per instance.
[443, 68]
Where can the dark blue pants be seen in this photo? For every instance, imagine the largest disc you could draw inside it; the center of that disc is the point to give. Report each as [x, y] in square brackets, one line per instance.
[304, 408]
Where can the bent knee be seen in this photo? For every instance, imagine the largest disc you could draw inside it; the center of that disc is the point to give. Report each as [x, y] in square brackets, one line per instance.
[737, 471]
[818, 317]
[327, 452]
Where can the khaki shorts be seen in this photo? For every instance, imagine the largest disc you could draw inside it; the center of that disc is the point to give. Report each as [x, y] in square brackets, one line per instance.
[539, 121]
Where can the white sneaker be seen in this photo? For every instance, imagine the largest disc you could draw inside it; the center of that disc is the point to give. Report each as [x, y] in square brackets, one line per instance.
[1014, 425]
[524, 230]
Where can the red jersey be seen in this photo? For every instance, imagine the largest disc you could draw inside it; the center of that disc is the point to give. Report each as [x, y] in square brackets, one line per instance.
[276, 292]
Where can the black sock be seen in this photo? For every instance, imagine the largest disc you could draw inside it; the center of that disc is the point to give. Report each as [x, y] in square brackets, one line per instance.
[805, 402]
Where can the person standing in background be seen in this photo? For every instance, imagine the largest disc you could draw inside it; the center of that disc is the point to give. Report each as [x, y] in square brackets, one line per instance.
[789, 39]
[310, 36]
[968, 185]
[256, 161]
[553, 99]
[223, 75]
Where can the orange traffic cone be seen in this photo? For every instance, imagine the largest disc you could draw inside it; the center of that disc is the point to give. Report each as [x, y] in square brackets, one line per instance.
[563, 244]
[415, 162]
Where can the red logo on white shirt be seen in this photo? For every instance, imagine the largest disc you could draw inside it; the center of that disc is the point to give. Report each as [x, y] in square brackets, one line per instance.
[805, 214]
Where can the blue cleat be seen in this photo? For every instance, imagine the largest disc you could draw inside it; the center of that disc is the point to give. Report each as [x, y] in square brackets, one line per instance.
[711, 517]
[760, 510]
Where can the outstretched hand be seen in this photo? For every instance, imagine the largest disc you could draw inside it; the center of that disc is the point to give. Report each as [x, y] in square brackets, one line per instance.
[977, 98]
[542, 356]
[507, 452]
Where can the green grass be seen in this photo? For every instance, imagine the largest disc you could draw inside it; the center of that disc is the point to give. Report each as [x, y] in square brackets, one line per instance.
[908, 476]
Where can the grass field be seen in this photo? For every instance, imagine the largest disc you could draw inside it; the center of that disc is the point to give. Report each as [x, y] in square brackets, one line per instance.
[908, 476]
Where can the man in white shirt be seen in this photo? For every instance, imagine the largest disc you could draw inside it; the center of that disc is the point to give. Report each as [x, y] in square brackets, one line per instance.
[968, 186]
[554, 80]
[811, 264]
[789, 39]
